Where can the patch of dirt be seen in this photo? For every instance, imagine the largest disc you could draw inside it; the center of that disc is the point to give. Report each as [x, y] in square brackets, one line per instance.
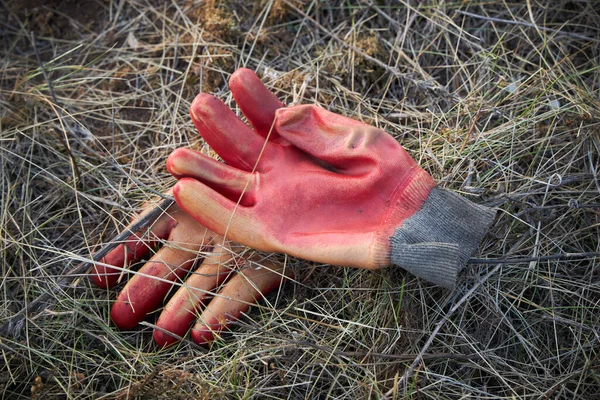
[59, 18]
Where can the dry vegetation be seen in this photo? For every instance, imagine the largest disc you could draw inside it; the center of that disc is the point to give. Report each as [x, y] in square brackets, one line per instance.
[499, 102]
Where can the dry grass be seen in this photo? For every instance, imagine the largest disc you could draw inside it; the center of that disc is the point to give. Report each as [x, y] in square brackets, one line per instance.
[499, 102]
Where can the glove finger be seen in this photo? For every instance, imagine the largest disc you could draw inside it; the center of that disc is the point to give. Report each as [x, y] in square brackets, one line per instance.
[256, 101]
[219, 214]
[147, 289]
[233, 140]
[347, 144]
[183, 308]
[227, 180]
[247, 287]
[136, 247]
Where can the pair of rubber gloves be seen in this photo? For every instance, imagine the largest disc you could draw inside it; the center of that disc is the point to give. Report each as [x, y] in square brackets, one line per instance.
[302, 181]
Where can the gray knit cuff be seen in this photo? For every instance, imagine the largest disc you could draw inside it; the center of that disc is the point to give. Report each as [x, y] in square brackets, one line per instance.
[438, 240]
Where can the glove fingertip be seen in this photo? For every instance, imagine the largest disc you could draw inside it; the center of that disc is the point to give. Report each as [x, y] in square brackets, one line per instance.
[163, 339]
[202, 334]
[176, 160]
[104, 276]
[123, 315]
[241, 76]
[204, 106]
[176, 323]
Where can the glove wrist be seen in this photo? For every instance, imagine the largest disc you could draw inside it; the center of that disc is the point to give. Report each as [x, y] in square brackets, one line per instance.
[436, 242]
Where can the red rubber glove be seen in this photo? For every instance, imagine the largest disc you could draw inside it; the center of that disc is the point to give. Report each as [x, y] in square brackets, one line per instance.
[320, 186]
[186, 244]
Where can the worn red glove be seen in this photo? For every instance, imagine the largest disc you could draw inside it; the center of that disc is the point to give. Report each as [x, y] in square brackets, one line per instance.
[320, 186]
[185, 244]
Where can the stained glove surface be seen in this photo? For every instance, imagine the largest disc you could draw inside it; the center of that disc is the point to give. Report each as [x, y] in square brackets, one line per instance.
[320, 186]
[220, 287]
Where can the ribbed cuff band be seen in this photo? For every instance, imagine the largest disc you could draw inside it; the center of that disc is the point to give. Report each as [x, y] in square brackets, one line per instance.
[437, 241]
